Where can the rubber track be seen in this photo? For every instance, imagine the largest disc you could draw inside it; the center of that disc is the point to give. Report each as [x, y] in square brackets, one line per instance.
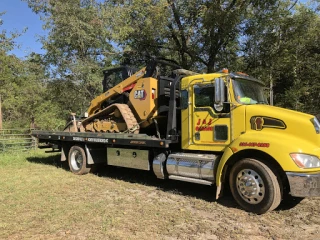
[128, 117]
[126, 113]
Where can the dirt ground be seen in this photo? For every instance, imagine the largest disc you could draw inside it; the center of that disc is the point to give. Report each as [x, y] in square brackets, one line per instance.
[39, 200]
[200, 216]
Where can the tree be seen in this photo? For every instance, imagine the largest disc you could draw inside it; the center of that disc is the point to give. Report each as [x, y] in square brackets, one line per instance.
[284, 49]
[24, 94]
[76, 49]
[22, 88]
[197, 33]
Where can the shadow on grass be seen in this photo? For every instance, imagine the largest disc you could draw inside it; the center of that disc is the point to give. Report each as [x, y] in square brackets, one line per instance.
[52, 160]
[147, 178]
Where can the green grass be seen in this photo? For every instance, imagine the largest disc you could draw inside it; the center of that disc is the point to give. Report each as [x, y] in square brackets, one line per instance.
[40, 200]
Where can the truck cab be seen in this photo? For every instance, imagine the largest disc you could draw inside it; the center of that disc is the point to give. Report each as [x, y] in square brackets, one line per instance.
[265, 150]
[213, 107]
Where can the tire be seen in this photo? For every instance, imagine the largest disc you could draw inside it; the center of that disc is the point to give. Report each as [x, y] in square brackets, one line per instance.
[77, 160]
[255, 186]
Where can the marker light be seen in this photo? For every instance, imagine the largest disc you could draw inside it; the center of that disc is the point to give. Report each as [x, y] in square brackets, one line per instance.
[241, 73]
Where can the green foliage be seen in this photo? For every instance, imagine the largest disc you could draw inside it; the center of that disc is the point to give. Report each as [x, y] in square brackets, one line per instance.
[284, 49]
[7, 40]
[198, 34]
[23, 89]
[77, 51]
[24, 94]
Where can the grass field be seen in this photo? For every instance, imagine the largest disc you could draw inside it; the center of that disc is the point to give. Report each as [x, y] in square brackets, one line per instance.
[39, 200]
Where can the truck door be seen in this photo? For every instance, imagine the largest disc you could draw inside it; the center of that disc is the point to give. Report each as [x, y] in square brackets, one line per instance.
[210, 128]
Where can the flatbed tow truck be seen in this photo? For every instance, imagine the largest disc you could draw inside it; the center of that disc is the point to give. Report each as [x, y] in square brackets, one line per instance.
[212, 129]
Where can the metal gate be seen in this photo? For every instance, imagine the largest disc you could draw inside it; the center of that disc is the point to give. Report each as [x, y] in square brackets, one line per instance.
[16, 140]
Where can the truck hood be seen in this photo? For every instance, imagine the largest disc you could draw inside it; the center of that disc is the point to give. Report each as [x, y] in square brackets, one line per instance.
[295, 123]
[268, 110]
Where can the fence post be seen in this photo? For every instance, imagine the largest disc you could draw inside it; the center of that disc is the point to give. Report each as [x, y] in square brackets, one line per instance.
[34, 141]
[0, 114]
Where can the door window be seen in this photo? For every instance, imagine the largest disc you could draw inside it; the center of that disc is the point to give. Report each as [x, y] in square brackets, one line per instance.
[204, 95]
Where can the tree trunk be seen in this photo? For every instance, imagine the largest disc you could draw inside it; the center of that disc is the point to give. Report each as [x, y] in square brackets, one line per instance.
[211, 65]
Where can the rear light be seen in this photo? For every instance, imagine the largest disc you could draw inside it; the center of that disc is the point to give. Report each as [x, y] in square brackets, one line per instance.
[153, 93]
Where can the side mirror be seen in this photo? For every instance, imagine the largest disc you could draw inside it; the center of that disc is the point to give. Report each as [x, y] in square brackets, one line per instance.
[219, 97]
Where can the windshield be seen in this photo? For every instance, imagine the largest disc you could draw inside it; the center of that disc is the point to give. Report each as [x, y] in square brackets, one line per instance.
[248, 92]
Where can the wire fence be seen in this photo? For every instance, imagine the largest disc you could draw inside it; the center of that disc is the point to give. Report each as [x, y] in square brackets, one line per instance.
[16, 140]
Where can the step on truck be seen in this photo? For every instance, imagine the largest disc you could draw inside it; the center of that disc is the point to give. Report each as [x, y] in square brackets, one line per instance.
[212, 129]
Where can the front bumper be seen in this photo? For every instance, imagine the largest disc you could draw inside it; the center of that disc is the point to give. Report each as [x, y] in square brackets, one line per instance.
[304, 184]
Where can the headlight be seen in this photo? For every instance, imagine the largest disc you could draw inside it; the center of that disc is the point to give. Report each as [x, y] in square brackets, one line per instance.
[316, 124]
[305, 160]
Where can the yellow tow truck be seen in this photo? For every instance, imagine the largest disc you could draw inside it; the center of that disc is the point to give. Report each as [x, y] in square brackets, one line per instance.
[212, 129]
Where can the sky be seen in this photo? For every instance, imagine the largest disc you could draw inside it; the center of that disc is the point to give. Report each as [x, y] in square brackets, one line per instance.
[19, 16]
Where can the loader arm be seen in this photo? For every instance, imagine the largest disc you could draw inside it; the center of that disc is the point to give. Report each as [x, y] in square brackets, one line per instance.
[95, 105]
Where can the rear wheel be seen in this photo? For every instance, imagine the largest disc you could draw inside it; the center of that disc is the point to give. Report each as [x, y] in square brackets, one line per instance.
[78, 161]
[254, 186]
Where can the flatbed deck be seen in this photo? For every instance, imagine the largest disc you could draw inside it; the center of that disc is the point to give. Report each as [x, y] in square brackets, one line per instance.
[118, 139]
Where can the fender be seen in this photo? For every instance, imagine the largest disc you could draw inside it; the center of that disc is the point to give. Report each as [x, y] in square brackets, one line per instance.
[225, 157]
[278, 146]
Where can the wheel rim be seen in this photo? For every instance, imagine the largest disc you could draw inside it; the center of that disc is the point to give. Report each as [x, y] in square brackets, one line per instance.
[76, 160]
[250, 186]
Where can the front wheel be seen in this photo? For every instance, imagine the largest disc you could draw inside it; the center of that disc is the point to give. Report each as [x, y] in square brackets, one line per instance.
[254, 186]
[78, 161]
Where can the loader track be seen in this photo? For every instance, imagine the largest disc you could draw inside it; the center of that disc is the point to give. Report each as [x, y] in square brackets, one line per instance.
[131, 121]
[126, 113]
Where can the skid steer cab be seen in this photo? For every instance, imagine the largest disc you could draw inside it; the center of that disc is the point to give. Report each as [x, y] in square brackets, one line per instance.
[211, 129]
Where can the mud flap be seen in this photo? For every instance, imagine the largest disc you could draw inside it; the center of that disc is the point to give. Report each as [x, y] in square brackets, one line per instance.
[96, 155]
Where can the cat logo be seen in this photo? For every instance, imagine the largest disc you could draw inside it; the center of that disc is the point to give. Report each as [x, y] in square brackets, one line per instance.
[140, 94]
